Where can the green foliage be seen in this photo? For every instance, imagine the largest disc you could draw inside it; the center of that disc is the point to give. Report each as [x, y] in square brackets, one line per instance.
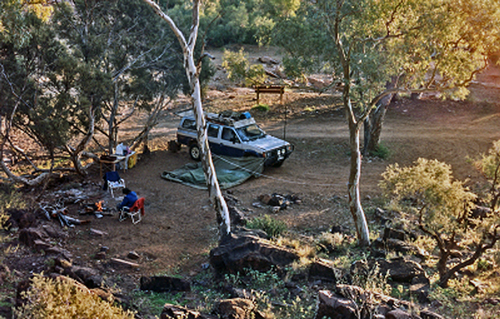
[239, 69]
[255, 75]
[153, 302]
[441, 207]
[381, 151]
[489, 165]
[267, 288]
[335, 243]
[261, 108]
[428, 190]
[273, 227]
[60, 299]
[236, 65]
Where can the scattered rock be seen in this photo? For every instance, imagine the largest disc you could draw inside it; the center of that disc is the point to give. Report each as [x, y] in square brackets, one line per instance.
[334, 307]
[237, 308]
[324, 270]
[391, 233]
[178, 312]
[28, 236]
[101, 255]
[238, 252]
[420, 287]
[41, 245]
[121, 262]
[399, 269]
[164, 284]
[427, 314]
[398, 314]
[268, 60]
[88, 276]
[95, 232]
[133, 255]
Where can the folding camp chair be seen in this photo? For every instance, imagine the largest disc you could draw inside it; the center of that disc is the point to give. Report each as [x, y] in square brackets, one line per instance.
[135, 212]
[113, 182]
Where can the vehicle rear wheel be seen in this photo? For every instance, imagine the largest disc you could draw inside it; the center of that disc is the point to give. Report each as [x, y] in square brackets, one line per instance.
[194, 152]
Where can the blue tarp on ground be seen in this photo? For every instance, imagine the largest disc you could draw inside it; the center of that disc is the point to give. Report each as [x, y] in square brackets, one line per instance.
[231, 171]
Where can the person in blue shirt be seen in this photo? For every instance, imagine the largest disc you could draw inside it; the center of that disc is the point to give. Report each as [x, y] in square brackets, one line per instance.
[129, 199]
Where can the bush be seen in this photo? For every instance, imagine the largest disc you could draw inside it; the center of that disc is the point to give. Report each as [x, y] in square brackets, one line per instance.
[236, 65]
[61, 299]
[261, 108]
[240, 71]
[256, 75]
[442, 208]
[271, 226]
[381, 152]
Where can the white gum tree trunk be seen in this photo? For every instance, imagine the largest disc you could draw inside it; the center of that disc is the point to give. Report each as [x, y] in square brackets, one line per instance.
[192, 71]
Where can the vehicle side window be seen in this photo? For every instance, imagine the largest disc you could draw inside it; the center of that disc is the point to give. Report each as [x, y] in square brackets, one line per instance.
[189, 124]
[213, 130]
[229, 135]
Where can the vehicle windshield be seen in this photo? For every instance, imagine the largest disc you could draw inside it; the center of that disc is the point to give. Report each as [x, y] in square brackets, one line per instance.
[250, 132]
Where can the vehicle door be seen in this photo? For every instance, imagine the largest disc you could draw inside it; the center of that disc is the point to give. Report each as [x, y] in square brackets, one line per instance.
[230, 144]
[213, 132]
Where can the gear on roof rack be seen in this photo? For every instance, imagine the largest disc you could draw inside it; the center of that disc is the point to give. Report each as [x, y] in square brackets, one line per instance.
[229, 117]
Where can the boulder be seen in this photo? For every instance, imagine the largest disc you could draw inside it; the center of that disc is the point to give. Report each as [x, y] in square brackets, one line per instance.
[398, 314]
[53, 232]
[394, 234]
[236, 216]
[427, 314]
[41, 245]
[324, 270]
[164, 284]
[268, 60]
[237, 308]
[133, 255]
[28, 236]
[420, 287]
[334, 307]
[399, 269]
[20, 218]
[238, 252]
[178, 312]
[88, 276]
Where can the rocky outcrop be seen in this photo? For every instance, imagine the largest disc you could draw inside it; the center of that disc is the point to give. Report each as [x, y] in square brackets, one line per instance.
[238, 252]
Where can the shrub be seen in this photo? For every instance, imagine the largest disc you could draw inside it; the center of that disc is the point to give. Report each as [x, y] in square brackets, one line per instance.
[442, 210]
[236, 65]
[256, 75]
[271, 226]
[381, 151]
[261, 108]
[61, 299]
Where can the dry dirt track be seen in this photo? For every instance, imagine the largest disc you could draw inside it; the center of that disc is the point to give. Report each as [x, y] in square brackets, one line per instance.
[179, 228]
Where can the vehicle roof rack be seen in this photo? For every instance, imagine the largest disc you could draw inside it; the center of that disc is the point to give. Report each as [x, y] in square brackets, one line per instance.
[228, 117]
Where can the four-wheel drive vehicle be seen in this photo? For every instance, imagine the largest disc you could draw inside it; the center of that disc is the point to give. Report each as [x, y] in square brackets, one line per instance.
[234, 134]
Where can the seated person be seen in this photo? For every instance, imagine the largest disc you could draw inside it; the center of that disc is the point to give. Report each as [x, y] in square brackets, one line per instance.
[129, 199]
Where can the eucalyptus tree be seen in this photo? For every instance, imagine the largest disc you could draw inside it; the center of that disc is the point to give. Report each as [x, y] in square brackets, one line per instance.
[416, 45]
[133, 58]
[192, 66]
[62, 74]
[37, 76]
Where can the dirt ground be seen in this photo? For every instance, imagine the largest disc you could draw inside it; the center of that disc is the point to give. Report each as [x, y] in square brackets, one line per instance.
[179, 227]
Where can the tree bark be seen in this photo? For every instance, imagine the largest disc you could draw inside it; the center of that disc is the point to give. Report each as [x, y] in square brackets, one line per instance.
[192, 71]
[373, 123]
[355, 206]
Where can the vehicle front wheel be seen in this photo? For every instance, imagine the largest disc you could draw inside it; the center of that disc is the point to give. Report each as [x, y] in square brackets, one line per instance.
[194, 152]
[278, 164]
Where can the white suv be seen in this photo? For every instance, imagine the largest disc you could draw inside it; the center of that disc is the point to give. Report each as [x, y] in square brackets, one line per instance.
[234, 134]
